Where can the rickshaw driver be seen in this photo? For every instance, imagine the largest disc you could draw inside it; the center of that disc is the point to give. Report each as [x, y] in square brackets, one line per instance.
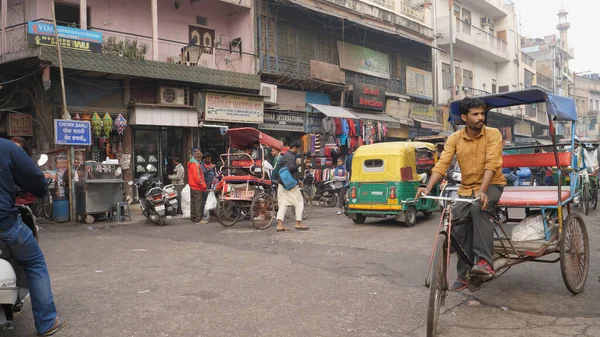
[478, 150]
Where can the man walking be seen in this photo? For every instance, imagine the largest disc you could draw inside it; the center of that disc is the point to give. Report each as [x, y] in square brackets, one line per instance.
[478, 150]
[293, 196]
[17, 168]
[197, 187]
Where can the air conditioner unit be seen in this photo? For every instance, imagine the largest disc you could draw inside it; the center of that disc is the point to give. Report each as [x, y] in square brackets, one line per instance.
[269, 92]
[170, 95]
[485, 21]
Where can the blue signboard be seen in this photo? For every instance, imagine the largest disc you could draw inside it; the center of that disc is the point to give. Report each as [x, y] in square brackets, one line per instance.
[70, 132]
[40, 33]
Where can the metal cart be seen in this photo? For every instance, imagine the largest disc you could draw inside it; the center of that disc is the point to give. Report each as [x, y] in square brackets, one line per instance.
[100, 186]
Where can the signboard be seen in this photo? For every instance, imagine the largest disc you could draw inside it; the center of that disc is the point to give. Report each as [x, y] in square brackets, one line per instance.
[327, 72]
[364, 60]
[42, 34]
[233, 108]
[397, 109]
[522, 129]
[283, 121]
[20, 125]
[368, 96]
[419, 83]
[423, 112]
[314, 124]
[70, 132]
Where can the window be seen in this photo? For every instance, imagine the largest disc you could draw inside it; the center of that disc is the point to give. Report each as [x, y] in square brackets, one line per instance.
[467, 78]
[494, 86]
[597, 105]
[373, 165]
[68, 15]
[446, 79]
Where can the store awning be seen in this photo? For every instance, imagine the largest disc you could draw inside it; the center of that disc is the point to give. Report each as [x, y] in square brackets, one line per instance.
[430, 125]
[160, 115]
[381, 117]
[333, 111]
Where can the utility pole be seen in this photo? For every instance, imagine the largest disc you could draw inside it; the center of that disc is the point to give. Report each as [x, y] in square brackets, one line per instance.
[65, 113]
[452, 71]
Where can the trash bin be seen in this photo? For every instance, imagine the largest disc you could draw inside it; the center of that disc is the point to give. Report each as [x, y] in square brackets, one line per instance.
[60, 210]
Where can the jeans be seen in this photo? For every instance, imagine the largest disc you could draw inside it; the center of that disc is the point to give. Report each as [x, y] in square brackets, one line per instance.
[26, 251]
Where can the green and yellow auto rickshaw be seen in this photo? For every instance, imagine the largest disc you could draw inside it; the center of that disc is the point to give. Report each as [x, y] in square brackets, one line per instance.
[385, 178]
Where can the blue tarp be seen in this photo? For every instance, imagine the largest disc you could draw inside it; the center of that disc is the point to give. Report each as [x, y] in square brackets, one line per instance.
[561, 107]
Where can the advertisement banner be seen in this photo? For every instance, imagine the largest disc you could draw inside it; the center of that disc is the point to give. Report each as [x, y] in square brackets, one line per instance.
[327, 72]
[42, 34]
[419, 83]
[397, 109]
[70, 132]
[314, 124]
[283, 122]
[522, 129]
[423, 112]
[364, 60]
[233, 108]
[20, 125]
[368, 96]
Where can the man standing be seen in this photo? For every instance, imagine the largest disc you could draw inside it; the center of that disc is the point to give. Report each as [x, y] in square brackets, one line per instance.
[478, 150]
[197, 187]
[18, 169]
[293, 196]
[177, 180]
[209, 171]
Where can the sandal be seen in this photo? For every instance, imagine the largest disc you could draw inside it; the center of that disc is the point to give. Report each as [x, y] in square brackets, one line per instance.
[58, 324]
[283, 229]
[302, 228]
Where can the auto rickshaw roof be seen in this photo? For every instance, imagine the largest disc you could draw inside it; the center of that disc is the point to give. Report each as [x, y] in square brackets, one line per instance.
[242, 138]
[392, 148]
[563, 108]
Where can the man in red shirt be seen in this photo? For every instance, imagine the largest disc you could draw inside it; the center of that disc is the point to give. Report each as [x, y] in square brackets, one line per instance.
[197, 187]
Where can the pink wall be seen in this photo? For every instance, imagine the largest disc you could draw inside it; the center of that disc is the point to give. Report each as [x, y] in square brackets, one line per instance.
[134, 17]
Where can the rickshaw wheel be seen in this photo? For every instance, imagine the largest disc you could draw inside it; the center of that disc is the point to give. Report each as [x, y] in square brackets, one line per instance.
[359, 219]
[262, 210]
[585, 200]
[411, 216]
[574, 253]
[307, 205]
[227, 213]
[438, 285]
[594, 197]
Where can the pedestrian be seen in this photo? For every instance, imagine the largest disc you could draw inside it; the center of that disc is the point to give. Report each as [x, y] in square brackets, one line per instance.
[293, 196]
[210, 172]
[197, 187]
[18, 169]
[340, 178]
[177, 179]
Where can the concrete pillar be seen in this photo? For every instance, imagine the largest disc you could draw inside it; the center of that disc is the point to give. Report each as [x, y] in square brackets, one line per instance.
[83, 14]
[4, 8]
[154, 30]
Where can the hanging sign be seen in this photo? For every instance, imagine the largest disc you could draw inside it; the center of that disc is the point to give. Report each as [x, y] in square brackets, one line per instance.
[283, 122]
[232, 108]
[20, 125]
[70, 132]
[368, 96]
[42, 34]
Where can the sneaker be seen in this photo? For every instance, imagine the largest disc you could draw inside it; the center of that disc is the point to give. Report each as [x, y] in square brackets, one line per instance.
[483, 268]
[203, 221]
[459, 285]
[339, 212]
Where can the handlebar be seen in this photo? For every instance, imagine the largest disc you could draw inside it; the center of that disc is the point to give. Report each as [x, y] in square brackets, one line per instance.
[451, 200]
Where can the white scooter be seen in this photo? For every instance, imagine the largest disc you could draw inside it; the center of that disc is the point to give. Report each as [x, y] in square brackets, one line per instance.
[13, 283]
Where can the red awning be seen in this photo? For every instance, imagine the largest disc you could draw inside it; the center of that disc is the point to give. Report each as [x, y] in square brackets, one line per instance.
[242, 138]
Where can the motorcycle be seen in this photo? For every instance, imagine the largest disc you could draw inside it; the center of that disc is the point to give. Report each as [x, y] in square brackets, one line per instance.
[157, 204]
[326, 193]
[13, 283]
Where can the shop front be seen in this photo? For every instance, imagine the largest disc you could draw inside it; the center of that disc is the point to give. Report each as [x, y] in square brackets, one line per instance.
[400, 111]
[426, 120]
[285, 126]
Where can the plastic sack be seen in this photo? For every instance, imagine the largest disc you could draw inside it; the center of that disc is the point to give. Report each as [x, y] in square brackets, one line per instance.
[211, 201]
[531, 228]
[186, 199]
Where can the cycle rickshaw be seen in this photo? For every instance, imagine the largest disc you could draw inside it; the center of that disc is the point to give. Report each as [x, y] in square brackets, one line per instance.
[565, 237]
[246, 188]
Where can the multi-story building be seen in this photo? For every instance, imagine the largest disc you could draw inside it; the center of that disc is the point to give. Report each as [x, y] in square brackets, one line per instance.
[586, 93]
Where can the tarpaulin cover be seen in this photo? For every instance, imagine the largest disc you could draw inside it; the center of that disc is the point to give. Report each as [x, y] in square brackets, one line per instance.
[242, 138]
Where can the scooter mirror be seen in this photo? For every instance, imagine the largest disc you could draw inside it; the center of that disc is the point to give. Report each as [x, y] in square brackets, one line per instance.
[130, 183]
[42, 160]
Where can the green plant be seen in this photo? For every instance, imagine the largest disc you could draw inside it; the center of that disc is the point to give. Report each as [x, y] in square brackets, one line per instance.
[130, 48]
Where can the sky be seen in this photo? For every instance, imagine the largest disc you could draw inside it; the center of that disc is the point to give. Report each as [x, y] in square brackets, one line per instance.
[538, 18]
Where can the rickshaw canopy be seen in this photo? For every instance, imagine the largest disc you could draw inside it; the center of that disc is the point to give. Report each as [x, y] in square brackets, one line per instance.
[398, 161]
[563, 108]
[241, 138]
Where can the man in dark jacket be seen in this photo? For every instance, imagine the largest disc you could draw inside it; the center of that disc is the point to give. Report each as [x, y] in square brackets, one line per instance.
[17, 169]
[210, 172]
[292, 196]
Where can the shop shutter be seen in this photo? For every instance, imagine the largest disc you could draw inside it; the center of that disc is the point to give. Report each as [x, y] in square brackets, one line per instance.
[291, 100]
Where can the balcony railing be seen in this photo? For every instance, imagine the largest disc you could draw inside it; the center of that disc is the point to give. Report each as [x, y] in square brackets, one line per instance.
[482, 37]
[528, 60]
[415, 12]
[544, 81]
[219, 57]
[472, 92]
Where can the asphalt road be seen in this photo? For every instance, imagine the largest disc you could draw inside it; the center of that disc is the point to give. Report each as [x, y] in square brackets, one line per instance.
[337, 279]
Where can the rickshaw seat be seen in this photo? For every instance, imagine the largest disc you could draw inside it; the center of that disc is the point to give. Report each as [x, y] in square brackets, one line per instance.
[532, 196]
[246, 178]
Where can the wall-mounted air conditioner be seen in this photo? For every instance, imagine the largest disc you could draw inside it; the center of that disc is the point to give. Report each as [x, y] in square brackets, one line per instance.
[269, 92]
[170, 95]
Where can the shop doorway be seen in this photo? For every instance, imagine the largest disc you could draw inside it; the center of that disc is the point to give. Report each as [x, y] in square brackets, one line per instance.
[155, 149]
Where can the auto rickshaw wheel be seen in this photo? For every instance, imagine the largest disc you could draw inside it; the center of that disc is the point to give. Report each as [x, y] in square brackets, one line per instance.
[359, 219]
[574, 253]
[410, 216]
[427, 213]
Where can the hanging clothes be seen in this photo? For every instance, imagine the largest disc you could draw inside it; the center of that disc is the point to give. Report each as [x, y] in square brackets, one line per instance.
[345, 126]
[328, 126]
[338, 126]
[351, 128]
